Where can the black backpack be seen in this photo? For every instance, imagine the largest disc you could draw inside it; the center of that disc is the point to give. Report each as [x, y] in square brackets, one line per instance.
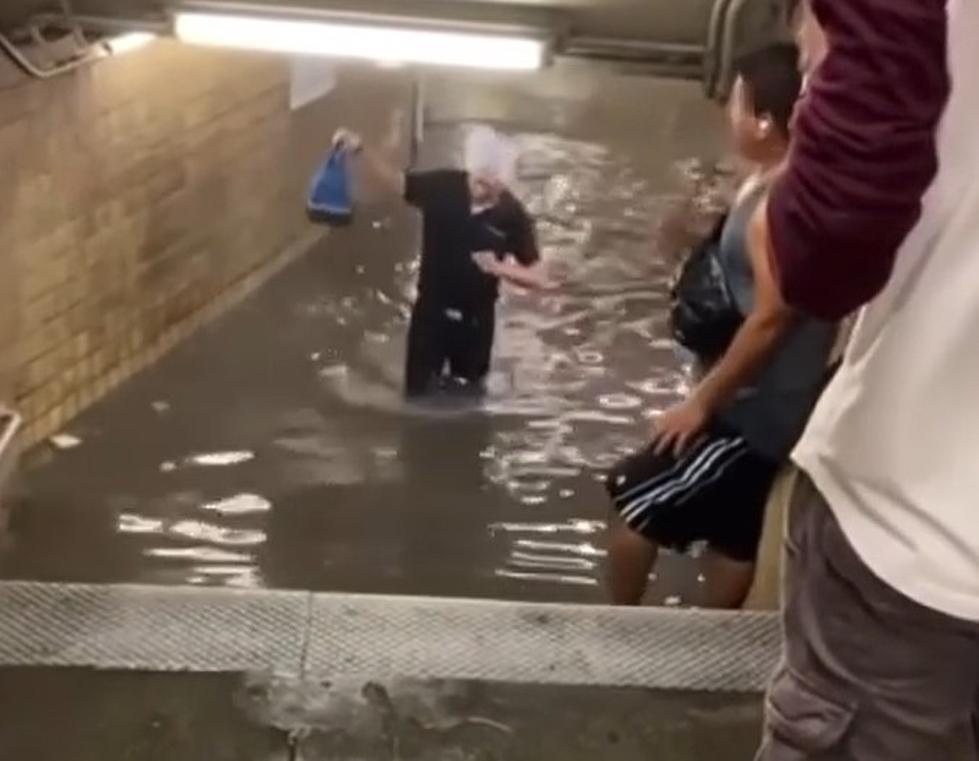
[703, 313]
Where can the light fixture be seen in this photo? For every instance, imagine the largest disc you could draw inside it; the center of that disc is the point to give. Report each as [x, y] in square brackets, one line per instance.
[127, 43]
[347, 38]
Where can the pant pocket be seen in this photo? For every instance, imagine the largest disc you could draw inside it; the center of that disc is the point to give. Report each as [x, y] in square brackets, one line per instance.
[805, 719]
[798, 512]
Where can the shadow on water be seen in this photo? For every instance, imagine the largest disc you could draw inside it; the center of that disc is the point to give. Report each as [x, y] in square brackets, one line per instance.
[274, 449]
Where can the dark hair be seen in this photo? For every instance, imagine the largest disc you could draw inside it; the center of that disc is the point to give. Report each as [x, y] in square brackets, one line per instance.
[772, 81]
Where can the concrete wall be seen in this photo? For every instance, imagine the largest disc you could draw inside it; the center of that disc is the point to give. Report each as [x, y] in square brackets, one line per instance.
[140, 197]
[665, 119]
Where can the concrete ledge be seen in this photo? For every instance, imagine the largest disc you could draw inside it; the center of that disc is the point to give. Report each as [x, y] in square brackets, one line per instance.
[429, 638]
[336, 636]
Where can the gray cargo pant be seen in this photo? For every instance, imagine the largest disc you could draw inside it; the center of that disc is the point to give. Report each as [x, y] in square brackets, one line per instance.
[866, 674]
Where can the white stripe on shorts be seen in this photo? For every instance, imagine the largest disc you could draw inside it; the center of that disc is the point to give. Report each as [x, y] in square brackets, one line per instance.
[704, 459]
[715, 476]
[718, 455]
[666, 492]
[659, 477]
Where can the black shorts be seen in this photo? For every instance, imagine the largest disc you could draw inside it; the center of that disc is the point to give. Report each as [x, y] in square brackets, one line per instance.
[444, 342]
[715, 492]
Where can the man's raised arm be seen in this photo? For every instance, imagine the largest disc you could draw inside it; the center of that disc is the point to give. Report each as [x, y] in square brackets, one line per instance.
[864, 153]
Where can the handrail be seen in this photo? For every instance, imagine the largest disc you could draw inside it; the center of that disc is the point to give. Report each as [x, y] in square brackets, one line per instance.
[12, 422]
[15, 421]
[94, 53]
[715, 33]
[726, 58]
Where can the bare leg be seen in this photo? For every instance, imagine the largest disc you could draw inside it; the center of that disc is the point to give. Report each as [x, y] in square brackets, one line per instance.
[631, 557]
[728, 581]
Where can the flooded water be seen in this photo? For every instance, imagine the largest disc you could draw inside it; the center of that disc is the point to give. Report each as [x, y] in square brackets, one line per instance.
[577, 374]
[274, 449]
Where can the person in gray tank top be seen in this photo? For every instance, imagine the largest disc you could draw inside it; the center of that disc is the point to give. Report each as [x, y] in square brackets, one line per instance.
[714, 457]
[771, 410]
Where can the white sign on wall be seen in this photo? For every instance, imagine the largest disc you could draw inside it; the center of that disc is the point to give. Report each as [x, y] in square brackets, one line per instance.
[312, 78]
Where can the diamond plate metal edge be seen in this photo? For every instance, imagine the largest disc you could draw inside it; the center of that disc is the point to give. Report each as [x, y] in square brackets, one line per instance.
[382, 638]
[398, 637]
[151, 628]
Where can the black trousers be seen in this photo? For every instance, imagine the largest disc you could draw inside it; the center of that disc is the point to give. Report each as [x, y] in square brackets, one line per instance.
[446, 342]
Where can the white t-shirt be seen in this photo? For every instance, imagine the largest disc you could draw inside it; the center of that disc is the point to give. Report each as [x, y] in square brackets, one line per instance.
[894, 443]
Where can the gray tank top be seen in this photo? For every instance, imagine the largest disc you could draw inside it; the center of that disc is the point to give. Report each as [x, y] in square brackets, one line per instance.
[772, 411]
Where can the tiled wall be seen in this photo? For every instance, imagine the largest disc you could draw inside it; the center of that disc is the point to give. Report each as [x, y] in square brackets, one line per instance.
[140, 197]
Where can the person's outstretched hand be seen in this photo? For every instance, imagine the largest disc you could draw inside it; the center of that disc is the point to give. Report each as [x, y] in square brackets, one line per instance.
[488, 263]
[680, 427]
[532, 278]
[348, 139]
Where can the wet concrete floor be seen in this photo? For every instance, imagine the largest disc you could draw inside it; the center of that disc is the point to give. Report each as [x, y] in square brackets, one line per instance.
[50, 715]
[273, 448]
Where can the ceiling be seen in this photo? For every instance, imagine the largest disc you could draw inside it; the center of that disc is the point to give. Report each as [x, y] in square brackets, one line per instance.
[662, 21]
[653, 37]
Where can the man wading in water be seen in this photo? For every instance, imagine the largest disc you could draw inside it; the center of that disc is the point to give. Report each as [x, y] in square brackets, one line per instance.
[474, 233]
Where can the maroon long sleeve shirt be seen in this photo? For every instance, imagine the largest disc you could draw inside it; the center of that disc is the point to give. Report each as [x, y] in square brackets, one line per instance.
[864, 152]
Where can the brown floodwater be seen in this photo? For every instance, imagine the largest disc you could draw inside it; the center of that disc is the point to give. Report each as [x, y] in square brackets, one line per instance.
[274, 449]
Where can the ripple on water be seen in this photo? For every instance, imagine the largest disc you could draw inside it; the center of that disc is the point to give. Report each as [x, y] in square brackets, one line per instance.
[590, 356]
[199, 554]
[220, 459]
[619, 401]
[333, 371]
[573, 526]
[220, 535]
[532, 500]
[531, 486]
[553, 578]
[238, 576]
[597, 416]
[550, 562]
[130, 523]
[239, 504]
[583, 549]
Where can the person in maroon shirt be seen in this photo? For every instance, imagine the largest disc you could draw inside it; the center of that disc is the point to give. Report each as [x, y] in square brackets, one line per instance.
[863, 150]
[872, 671]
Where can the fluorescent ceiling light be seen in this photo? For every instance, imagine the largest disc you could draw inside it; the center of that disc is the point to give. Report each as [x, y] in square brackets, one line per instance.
[473, 49]
[126, 43]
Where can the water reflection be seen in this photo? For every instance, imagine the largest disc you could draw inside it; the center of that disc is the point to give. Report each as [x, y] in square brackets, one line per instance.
[550, 578]
[571, 527]
[568, 560]
[219, 459]
[239, 504]
[211, 552]
[218, 535]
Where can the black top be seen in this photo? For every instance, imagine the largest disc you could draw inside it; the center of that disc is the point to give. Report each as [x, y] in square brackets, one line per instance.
[452, 233]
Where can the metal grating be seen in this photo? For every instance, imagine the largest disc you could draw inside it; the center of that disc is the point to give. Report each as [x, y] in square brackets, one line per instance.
[151, 628]
[381, 638]
[541, 644]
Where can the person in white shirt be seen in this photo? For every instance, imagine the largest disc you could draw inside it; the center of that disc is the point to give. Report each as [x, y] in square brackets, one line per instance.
[878, 209]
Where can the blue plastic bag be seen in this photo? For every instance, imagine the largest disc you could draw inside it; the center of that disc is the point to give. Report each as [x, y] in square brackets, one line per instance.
[330, 199]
